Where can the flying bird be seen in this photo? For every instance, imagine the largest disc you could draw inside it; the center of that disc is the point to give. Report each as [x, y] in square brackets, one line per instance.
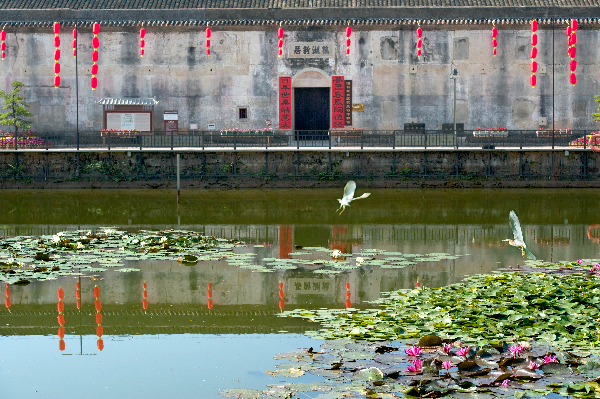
[518, 240]
[349, 196]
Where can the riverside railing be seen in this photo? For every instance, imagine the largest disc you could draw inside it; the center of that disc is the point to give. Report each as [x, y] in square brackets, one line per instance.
[339, 139]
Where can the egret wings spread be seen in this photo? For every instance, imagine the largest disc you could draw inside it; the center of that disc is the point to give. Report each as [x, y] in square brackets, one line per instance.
[349, 196]
[518, 240]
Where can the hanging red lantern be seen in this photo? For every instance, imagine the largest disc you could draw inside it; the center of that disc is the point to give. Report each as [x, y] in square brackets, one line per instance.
[60, 306]
[281, 304]
[98, 318]
[533, 65]
[100, 345]
[7, 290]
[61, 319]
[573, 38]
[61, 332]
[209, 295]
[348, 41]
[494, 35]
[75, 42]
[418, 283]
[61, 345]
[56, 30]
[7, 302]
[99, 331]
[96, 291]
[98, 305]
[3, 38]
[573, 79]
[573, 65]
[60, 293]
[348, 294]
[144, 296]
[95, 45]
[574, 25]
[210, 304]
[419, 41]
[142, 41]
[95, 69]
[572, 52]
[3, 46]
[568, 31]
[280, 41]
[208, 34]
[145, 304]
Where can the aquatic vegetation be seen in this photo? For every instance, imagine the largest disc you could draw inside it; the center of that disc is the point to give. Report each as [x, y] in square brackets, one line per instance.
[561, 309]
[351, 368]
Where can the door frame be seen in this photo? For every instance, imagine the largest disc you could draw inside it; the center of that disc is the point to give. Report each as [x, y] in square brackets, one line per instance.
[309, 79]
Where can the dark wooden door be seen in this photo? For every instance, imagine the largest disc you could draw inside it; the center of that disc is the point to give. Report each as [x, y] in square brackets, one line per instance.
[311, 112]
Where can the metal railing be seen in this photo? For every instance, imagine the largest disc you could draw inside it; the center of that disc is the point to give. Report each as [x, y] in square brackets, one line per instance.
[364, 139]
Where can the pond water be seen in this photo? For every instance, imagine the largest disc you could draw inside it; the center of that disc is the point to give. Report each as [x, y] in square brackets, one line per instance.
[184, 345]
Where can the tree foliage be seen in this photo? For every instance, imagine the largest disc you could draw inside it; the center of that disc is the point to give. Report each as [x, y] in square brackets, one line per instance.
[16, 107]
[596, 115]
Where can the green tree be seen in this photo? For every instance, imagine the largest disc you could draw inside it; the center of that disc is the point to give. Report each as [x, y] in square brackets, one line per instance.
[596, 115]
[16, 107]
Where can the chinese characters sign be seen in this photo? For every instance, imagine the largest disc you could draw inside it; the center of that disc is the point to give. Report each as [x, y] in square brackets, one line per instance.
[285, 102]
[311, 50]
[348, 102]
[337, 98]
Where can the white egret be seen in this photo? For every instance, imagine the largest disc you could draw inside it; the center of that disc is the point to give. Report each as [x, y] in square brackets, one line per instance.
[518, 240]
[349, 196]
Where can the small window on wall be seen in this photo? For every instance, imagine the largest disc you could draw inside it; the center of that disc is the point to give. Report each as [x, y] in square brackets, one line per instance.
[242, 113]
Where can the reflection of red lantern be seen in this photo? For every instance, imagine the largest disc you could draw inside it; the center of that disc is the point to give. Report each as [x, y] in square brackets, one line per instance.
[533, 65]
[281, 295]
[99, 328]
[210, 304]
[208, 34]
[144, 296]
[7, 302]
[78, 294]
[56, 30]
[209, 295]
[348, 294]
[494, 34]
[60, 306]
[61, 332]
[95, 45]
[418, 283]
[142, 41]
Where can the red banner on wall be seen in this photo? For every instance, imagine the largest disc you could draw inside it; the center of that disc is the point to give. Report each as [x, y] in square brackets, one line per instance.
[337, 98]
[285, 102]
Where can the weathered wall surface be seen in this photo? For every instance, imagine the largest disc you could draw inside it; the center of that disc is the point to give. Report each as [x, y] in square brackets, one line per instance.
[294, 169]
[392, 83]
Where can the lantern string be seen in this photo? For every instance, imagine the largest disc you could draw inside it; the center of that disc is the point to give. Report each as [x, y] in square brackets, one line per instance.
[3, 38]
[56, 30]
[95, 45]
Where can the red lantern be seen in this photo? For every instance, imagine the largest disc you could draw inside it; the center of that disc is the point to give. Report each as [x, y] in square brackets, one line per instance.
[96, 288]
[145, 304]
[3, 35]
[573, 65]
[56, 28]
[418, 283]
[534, 39]
[569, 31]
[99, 331]
[348, 303]
[7, 302]
[419, 42]
[348, 41]
[144, 285]
[100, 345]
[572, 52]
[280, 52]
[210, 304]
[494, 43]
[573, 79]
[61, 345]
[145, 294]
[533, 66]
[75, 34]
[56, 81]
[142, 33]
[60, 306]
[3, 46]
[61, 332]
[98, 318]
[347, 285]
[494, 32]
[60, 293]
[94, 81]
[79, 304]
[533, 80]
[281, 304]
[494, 51]
[7, 290]
[142, 42]
[98, 305]
[573, 39]
[61, 319]
[208, 34]
[348, 294]
[347, 51]
[533, 52]
[57, 67]
[56, 55]
[74, 47]
[574, 25]
[534, 25]
[3, 38]
[56, 41]
[419, 32]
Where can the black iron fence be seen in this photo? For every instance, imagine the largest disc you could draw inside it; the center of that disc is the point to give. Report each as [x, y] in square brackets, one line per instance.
[390, 139]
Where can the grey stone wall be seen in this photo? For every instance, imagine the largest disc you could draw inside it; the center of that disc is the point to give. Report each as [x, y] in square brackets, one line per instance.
[392, 83]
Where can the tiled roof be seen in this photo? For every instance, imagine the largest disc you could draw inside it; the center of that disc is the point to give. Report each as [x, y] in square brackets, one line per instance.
[127, 101]
[275, 4]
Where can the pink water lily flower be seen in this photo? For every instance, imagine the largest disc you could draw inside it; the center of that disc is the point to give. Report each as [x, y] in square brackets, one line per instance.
[515, 350]
[414, 351]
[505, 383]
[549, 359]
[447, 365]
[415, 367]
[463, 351]
[579, 261]
[447, 348]
[533, 365]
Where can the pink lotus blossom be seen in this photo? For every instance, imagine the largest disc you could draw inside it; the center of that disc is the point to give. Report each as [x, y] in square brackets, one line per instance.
[505, 383]
[515, 350]
[463, 351]
[549, 359]
[447, 365]
[447, 348]
[579, 261]
[533, 365]
[415, 367]
[414, 351]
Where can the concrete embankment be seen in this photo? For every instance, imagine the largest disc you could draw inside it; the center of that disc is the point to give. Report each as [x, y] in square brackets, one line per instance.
[300, 168]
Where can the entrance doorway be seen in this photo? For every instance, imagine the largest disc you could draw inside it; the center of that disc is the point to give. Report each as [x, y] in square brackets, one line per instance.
[311, 113]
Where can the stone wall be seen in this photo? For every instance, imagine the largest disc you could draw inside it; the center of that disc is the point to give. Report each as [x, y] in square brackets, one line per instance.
[388, 78]
[420, 168]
